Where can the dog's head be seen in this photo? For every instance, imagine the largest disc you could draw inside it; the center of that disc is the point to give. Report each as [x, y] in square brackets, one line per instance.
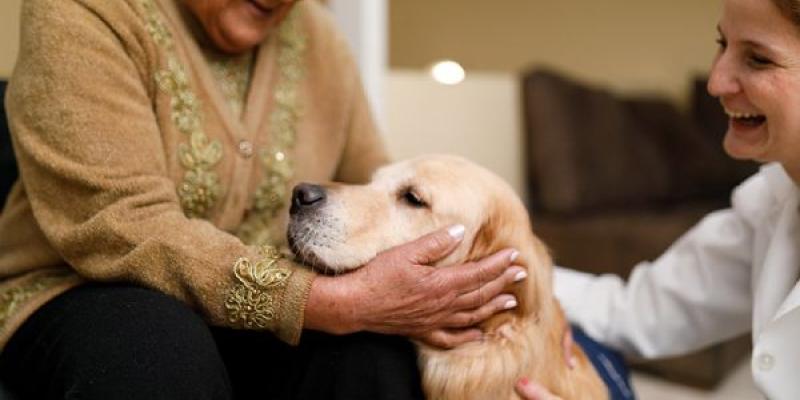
[336, 228]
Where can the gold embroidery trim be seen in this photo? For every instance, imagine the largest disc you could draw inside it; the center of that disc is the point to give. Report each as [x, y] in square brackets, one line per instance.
[200, 187]
[273, 191]
[252, 302]
[15, 297]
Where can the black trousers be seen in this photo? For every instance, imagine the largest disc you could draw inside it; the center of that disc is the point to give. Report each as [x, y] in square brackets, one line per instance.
[125, 342]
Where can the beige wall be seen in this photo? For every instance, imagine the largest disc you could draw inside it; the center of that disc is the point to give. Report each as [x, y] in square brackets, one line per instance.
[478, 119]
[9, 35]
[631, 45]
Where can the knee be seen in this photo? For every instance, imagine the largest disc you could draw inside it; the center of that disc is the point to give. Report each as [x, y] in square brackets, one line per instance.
[131, 337]
[143, 319]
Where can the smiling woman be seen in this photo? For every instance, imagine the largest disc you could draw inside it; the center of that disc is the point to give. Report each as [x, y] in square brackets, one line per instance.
[738, 269]
[756, 76]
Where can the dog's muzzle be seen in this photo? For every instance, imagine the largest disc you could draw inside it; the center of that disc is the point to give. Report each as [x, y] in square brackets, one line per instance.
[309, 230]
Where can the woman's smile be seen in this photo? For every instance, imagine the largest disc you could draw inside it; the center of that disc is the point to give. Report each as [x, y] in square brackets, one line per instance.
[747, 126]
[263, 10]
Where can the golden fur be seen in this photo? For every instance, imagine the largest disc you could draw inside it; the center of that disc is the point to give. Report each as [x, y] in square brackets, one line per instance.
[357, 222]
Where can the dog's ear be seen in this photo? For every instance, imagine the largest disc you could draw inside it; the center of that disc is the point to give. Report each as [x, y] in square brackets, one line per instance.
[507, 227]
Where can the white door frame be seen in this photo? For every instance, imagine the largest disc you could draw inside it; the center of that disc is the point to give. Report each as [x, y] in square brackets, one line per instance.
[365, 23]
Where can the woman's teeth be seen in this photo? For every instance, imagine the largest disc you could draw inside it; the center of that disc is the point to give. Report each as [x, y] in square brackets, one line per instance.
[742, 115]
[748, 118]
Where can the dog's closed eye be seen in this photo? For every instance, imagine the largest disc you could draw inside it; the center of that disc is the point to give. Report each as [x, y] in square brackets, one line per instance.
[410, 197]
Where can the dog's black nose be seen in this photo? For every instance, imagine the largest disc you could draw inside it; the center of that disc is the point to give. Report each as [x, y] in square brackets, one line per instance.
[306, 196]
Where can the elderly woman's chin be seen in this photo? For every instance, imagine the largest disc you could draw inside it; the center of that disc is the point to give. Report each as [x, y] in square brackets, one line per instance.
[241, 26]
[238, 39]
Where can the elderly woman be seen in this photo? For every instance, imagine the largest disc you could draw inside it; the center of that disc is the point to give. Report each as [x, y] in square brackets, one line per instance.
[140, 252]
[738, 269]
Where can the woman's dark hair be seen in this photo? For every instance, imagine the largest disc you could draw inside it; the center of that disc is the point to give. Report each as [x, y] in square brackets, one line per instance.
[790, 8]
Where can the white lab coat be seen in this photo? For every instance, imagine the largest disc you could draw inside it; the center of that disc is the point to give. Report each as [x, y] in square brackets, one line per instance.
[736, 270]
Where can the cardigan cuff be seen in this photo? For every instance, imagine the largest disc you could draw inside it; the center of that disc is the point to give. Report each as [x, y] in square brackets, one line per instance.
[269, 294]
[289, 324]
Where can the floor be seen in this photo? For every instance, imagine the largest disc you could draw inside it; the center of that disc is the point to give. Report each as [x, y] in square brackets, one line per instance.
[737, 386]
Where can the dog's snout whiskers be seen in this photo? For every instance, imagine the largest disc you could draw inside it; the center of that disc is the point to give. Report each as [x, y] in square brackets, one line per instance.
[313, 233]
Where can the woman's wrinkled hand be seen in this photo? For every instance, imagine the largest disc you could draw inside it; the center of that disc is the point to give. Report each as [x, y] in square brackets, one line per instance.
[400, 293]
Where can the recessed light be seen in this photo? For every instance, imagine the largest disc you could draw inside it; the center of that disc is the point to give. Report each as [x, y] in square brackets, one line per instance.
[448, 72]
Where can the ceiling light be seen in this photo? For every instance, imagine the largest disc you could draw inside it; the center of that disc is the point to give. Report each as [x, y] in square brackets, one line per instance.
[448, 72]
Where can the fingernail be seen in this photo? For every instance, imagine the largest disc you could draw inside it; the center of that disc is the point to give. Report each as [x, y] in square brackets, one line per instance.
[514, 255]
[456, 231]
[510, 304]
[520, 276]
[573, 362]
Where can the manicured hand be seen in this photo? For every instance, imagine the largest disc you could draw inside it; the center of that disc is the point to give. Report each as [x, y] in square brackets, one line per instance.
[567, 341]
[399, 292]
[533, 391]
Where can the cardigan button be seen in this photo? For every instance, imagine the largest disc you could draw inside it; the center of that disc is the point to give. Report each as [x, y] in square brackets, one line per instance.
[766, 362]
[246, 148]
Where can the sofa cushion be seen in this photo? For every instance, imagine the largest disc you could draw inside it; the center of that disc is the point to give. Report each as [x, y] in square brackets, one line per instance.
[8, 164]
[589, 150]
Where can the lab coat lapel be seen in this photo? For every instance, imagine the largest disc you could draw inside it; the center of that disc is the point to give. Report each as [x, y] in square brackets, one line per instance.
[776, 291]
[792, 301]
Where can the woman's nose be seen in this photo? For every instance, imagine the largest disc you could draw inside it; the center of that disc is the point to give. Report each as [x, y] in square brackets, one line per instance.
[723, 80]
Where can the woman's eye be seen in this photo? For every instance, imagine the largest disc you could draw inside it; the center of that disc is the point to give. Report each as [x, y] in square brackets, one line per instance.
[413, 199]
[722, 43]
[758, 61]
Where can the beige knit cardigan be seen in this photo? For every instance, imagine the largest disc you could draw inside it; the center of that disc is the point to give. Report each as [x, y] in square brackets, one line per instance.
[134, 169]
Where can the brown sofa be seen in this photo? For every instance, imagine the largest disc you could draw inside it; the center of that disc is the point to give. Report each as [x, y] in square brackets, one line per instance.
[8, 164]
[8, 174]
[615, 180]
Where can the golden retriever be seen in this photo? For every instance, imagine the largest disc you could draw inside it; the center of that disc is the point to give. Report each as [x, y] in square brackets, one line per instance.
[351, 224]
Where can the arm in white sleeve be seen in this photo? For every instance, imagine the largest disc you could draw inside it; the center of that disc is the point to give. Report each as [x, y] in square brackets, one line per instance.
[697, 293]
